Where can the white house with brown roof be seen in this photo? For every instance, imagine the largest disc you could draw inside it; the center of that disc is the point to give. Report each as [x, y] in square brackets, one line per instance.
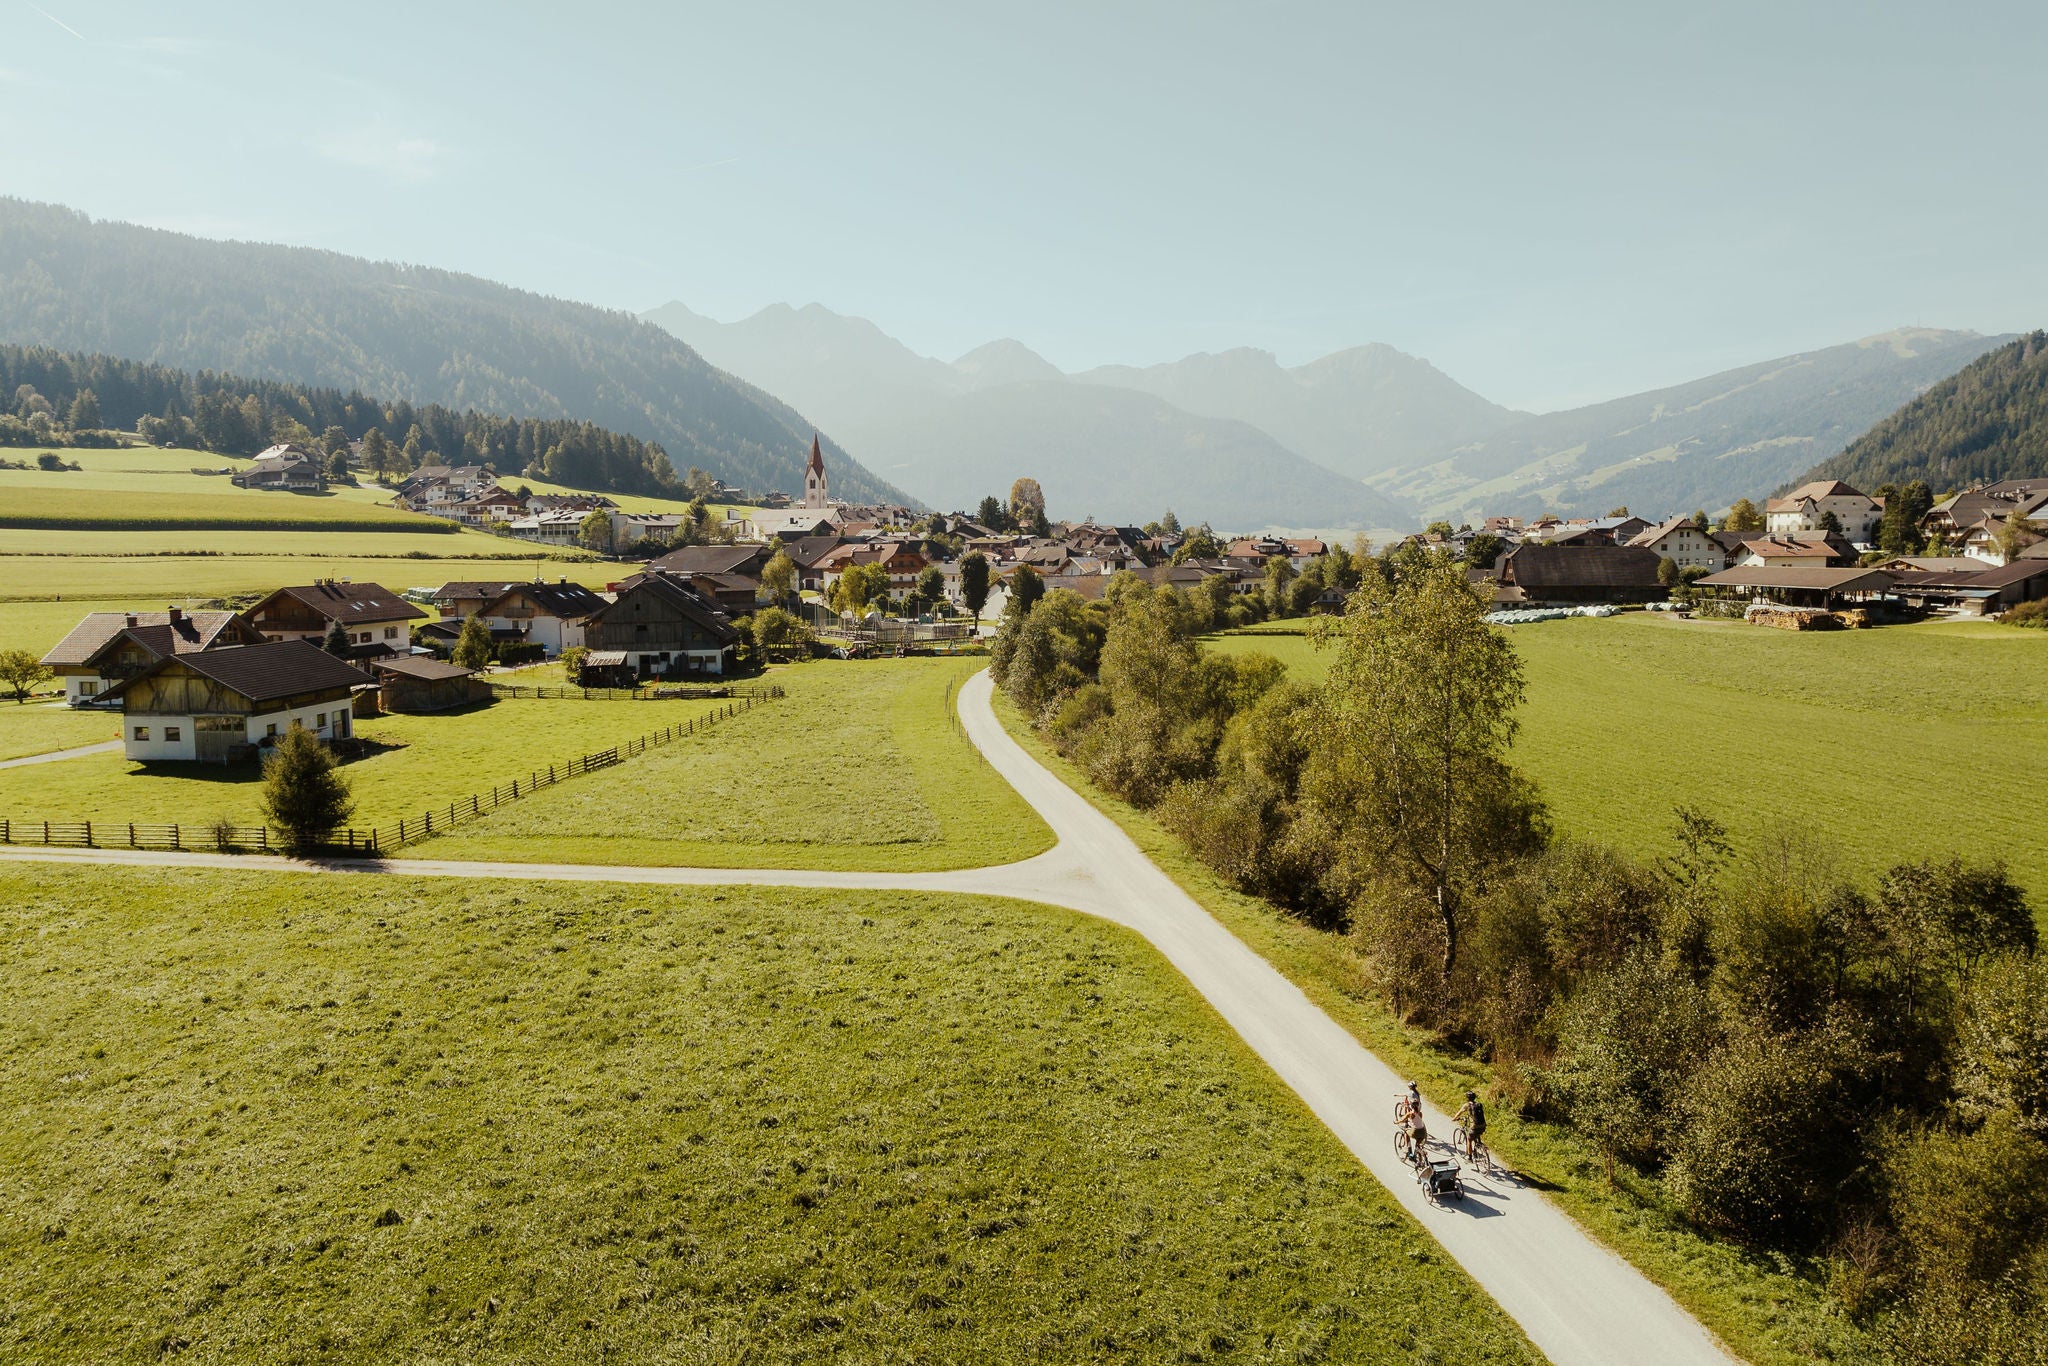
[107, 647]
[1683, 543]
[225, 704]
[377, 620]
[1806, 507]
[550, 615]
[1792, 552]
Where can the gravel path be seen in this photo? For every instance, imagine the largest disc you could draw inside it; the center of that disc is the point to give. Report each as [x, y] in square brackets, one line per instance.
[1579, 1302]
[104, 747]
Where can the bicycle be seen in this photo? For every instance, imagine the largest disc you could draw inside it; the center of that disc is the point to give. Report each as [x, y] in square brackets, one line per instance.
[1473, 1148]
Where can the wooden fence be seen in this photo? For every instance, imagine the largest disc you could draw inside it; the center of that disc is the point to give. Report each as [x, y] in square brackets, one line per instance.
[380, 839]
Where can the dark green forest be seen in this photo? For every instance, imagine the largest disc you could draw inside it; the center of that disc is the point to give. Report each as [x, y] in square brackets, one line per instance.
[238, 416]
[407, 333]
[1985, 423]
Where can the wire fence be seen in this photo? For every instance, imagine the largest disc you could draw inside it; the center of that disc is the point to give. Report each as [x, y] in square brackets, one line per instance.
[379, 839]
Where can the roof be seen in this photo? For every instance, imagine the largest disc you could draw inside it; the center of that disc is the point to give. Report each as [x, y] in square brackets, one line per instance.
[1934, 564]
[1803, 547]
[422, 667]
[194, 631]
[603, 659]
[263, 673]
[348, 603]
[564, 599]
[1658, 532]
[709, 559]
[686, 600]
[1802, 576]
[1817, 490]
[817, 460]
[1582, 566]
[474, 588]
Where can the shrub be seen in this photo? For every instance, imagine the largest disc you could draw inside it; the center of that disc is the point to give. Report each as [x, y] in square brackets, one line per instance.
[1965, 1204]
[2000, 1055]
[572, 662]
[304, 795]
[2033, 613]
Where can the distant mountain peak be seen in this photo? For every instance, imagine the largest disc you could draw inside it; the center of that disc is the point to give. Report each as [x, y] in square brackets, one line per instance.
[1006, 361]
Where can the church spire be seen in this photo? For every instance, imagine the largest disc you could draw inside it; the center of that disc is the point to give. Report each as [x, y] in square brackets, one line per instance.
[814, 477]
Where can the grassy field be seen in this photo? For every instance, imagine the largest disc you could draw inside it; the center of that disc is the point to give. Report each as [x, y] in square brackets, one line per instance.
[1769, 1310]
[261, 1118]
[860, 767]
[418, 761]
[276, 558]
[1878, 745]
[38, 728]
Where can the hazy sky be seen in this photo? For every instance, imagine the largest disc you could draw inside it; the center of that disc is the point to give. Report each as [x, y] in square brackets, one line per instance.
[1554, 203]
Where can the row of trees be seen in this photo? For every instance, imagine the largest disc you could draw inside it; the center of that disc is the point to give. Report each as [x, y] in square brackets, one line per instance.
[69, 393]
[1856, 1071]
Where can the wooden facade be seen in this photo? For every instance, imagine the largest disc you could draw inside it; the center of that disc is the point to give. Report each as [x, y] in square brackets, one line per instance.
[663, 628]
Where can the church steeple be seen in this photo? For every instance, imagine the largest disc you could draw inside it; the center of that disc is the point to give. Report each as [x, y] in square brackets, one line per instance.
[814, 477]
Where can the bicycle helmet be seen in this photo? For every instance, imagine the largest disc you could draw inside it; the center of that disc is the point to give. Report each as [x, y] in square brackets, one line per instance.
[1471, 1095]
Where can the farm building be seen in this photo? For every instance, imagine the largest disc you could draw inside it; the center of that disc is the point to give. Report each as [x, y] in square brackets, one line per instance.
[378, 621]
[1797, 586]
[107, 647]
[1579, 573]
[292, 468]
[663, 627]
[416, 683]
[219, 705]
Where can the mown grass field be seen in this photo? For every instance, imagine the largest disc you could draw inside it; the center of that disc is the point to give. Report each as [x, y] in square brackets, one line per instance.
[860, 767]
[1769, 1310]
[38, 728]
[261, 1118]
[419, 762]
[1873, 746]
[255, 562]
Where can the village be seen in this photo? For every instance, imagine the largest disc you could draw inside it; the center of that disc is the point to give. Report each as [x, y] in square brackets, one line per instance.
[816, 575]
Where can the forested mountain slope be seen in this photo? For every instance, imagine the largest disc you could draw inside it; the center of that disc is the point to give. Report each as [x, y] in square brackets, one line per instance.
[1987, 422]
[402, 332]
[238, 416]
[1697, 445]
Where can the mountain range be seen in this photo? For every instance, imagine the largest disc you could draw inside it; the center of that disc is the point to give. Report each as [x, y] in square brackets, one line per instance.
[956, 431]
[402, 332]
[1273, 445]
[1696, 445]
[1987, 422]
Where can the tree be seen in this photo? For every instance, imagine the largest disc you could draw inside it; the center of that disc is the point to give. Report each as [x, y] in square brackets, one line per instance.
[1743, 517]
[991, 514]
[304, 794]
[775, 629]
[1199, 544]
[1027, 506]
[377, 453]
[473, 646]
[778, 576]
[1279, 574]
[572, 662]
[1027, 586]
[1480, 552]
[857, 586]
[1621, 511]
[1440, 530]
[1830, 524]
[22, 672]
[334, 440]
[1413, 735]
[1701, 520]
[337, 642]
[594, 532]
[931, 587]
[85, 412]
[1667, 571]
[2015, 534]
[974, 583]
[415, 447]
[1899, 532]
[337, 465]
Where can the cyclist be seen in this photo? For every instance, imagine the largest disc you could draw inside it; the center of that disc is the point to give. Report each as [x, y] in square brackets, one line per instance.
[1418, 1128]
[1473, 1116]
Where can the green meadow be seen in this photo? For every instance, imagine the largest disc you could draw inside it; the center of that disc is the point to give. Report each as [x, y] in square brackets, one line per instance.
[861, 766]
[39, 728]
[305, 1118]
[1868, 746]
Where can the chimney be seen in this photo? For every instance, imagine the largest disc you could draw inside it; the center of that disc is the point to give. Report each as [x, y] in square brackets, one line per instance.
[131, 618]
[176, 614]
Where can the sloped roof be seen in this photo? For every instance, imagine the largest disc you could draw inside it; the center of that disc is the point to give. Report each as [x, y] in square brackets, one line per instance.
[474, 588]
[348, 603]
[194, 631]
[1817, 490]
[564, 599]
[262, 673]
[1802, 576]
[1582, 566]
[687, 601]
[424, 667]
[710, 559]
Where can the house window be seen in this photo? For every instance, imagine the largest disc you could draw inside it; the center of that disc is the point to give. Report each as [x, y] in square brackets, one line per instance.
[390, 633]
[319, 720]
[270, 731]
[171, 734]
[363, 639]
[142, 732]
[88, 686]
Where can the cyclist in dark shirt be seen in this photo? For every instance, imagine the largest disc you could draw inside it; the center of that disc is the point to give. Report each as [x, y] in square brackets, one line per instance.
[1473, 1116]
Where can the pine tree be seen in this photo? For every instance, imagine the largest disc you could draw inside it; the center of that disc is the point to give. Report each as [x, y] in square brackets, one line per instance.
[85, 412]
[304, 795]
[337, 642]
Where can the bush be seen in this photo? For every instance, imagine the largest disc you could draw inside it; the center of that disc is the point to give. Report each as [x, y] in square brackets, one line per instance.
[304, 795]
[572, 662]
[1965, 1204]
[2033, 613]
[2000, 1054]
[1766, 1134]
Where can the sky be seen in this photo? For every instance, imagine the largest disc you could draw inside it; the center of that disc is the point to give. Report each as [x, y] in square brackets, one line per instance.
[1553, 203]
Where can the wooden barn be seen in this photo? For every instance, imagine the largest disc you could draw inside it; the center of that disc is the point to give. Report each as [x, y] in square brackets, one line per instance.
[664, 627]
[419, 683]
[219, 705]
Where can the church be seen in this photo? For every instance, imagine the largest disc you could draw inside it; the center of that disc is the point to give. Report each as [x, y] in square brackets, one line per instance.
[814, 478]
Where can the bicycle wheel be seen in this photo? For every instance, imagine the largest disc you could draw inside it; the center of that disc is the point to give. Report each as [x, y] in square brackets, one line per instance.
[1401, 1148]
[1458, 1137]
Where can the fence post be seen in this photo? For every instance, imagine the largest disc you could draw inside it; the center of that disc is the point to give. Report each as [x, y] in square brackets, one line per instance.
[430, 822]
[401, 830]
[174, 838]
[263, 837]
[88, 834]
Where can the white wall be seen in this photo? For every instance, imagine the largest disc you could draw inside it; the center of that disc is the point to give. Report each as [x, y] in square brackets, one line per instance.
[328, 720]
